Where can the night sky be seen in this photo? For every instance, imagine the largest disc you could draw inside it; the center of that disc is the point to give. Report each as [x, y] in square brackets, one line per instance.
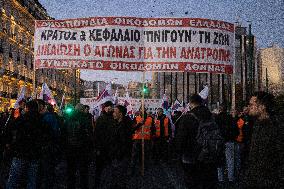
[266, 16]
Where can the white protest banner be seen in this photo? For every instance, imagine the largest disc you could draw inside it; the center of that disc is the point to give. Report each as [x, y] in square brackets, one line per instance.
[135, 44]
[89, 101]
[150, 104]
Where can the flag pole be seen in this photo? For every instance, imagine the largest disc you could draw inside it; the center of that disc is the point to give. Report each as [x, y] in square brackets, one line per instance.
[233, 79]
[6, 123]
[34, 81]
[143, 110]
[22, 91]
[34, 71]
[62, 99]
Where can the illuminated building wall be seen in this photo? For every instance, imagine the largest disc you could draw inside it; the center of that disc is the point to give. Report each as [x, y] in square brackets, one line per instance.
[16, 53]
[272, 62]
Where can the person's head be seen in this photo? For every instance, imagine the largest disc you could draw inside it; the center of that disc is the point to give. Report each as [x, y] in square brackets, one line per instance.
[11, 111]
[87, 108]
[223, 107]
[32, 107]
[245, 110]
[195, 100]
[108, 107]
[119, 112]
[49, 108]
[261, 105]
[80, 107]
[160, 111]
[138, 113]
[22, 103]
[41, 106]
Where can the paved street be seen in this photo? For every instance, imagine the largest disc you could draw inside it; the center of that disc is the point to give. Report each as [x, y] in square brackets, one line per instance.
[156, 176]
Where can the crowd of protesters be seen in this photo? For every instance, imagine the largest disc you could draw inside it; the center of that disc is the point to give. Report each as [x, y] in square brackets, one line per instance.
[220, 149]
[252, 152]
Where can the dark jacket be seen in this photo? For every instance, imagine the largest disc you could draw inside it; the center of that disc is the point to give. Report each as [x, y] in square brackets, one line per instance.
[228, 127]
[27, 132]
[122, 139]
[265, 166]
[77, 133]
[5, 135]
[51, 125]
[52, 135]
[103, 133]
[176, 121]
[186, 144]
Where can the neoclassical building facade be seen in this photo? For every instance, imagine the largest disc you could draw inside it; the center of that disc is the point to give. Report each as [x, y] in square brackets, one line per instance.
[16, 55]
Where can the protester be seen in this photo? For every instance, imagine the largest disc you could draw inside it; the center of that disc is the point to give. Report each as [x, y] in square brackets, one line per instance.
[52, 147]
[229, 131]
[147, 124]
[89, 115]
[120, 150]
[199, 171]
[265, 166]
[7, 120]
[245, 126]
[176, 122]
[26, 143]
[162, 134]
[103, 140]
[77, 132]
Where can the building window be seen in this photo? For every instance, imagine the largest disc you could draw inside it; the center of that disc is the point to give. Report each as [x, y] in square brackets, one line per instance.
[23, 39]
[4, 25]
[20, 36]
[18, 57]
[1, 46]
[10, 52]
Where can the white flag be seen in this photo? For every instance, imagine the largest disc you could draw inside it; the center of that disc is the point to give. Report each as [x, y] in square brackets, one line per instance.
[62, 102]
[20, 97]
[127, 104]
[176, 105]
[104, 96]
[115, 98]
[204, 93]
[46, 95]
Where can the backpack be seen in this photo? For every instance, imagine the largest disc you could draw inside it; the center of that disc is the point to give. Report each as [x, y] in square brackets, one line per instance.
[209, 141]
